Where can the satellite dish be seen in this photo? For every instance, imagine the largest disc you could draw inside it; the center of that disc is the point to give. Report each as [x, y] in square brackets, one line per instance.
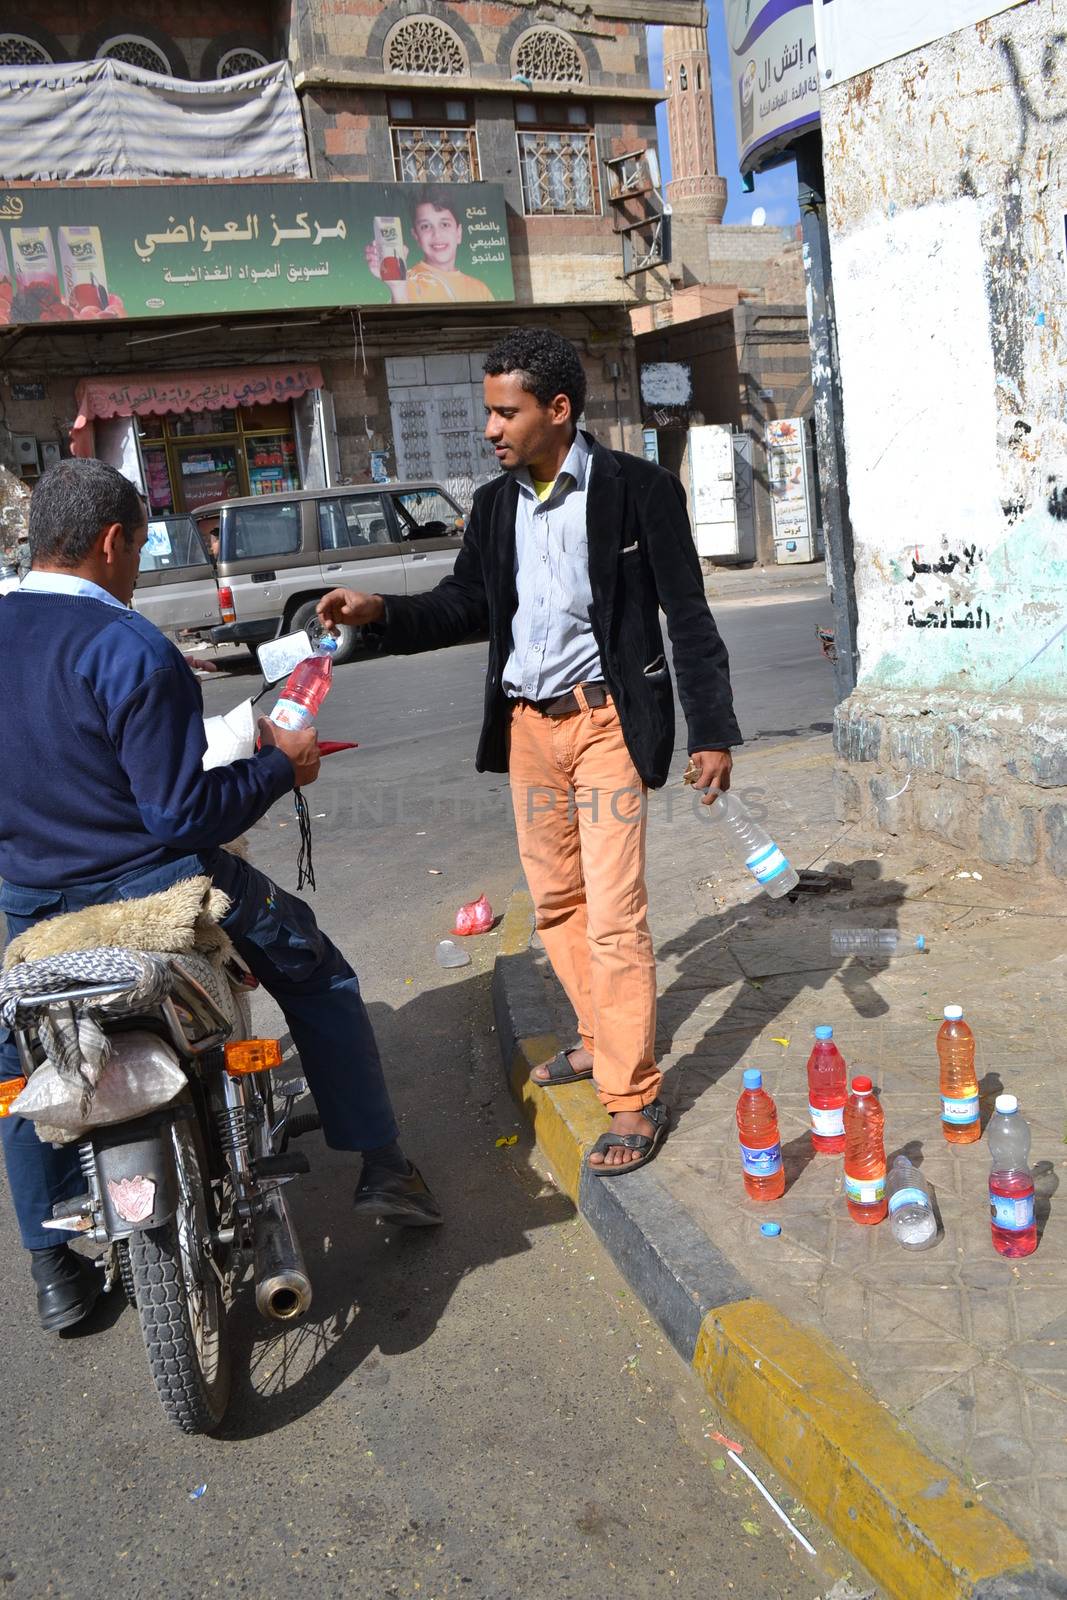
[759, 217]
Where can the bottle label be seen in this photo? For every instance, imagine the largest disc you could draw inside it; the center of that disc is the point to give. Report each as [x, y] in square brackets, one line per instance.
[292, 715]
[866, 1191]
[1014, 1212]
[767, 863]
[908, 1197]
[959, 1111]
[762, 1163]
[827, 1121]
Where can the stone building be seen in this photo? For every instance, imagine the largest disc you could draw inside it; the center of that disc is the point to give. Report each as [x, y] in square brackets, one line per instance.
[946, 188]
[535, 102]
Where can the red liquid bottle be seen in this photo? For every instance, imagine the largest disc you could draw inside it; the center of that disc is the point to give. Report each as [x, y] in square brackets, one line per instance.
[864, 1154]
[761, 1145]
[1011, 1184]
[827, 1093]
[306, 688]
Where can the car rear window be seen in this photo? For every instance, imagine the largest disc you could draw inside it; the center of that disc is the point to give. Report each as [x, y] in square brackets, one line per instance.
[172, 542]
[248, 532]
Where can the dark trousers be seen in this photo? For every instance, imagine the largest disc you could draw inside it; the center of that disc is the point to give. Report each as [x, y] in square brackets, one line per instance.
[277, 936]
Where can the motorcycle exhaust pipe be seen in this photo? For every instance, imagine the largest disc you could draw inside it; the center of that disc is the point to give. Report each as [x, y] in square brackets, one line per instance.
[283, 1288]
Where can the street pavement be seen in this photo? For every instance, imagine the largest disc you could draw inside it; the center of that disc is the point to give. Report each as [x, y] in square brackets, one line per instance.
[483, 1410]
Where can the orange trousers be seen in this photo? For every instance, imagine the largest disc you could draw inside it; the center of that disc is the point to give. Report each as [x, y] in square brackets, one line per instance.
[580, 818]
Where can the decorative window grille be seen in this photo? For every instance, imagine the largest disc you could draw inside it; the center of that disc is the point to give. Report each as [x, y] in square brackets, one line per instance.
[16, 50]
[424, 47]
[435, 155]
[557, 159]
[546, 55]
[234, 62]
[136, 52]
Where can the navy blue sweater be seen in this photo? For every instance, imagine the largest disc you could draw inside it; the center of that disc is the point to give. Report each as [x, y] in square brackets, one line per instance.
[104, 739]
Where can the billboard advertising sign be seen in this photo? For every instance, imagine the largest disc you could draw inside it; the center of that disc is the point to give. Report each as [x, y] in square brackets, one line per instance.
[854, 36]
[774, 73]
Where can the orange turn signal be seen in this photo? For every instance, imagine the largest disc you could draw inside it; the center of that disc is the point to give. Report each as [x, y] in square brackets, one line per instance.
[252, 1055]
[10, 1089]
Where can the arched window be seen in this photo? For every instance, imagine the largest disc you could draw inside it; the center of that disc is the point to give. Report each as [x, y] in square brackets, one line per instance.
[547, 55]
[234, 62]
[683, 78]
[16, 50]
[700, 76]
[424, 47]
[135, 51]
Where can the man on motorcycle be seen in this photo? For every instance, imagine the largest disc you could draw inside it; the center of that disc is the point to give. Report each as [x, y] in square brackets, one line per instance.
[105, 798]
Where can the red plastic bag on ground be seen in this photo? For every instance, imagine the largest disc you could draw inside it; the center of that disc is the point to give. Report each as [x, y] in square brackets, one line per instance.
[477, 917]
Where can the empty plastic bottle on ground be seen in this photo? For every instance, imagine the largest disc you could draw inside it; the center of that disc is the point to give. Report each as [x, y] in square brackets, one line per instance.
[864, 1154]
[1011, 1183]
[761, 1144]
[911, 1210]
[827, 1093]
[306, 688]
[763, 858]
[872, 942]
[960, 1121]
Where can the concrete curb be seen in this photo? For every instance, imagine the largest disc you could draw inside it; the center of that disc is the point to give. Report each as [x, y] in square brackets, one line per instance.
[906, 1517]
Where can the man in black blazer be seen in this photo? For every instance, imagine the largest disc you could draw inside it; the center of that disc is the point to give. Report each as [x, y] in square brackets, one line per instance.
[568, 558]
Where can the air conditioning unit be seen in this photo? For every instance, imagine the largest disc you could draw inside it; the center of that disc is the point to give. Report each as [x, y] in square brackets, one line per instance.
[26, 453]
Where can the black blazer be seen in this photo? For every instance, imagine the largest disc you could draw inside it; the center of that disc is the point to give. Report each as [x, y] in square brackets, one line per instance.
[642, 560]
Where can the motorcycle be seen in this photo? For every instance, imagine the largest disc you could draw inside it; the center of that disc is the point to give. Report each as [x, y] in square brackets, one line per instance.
[182, 1124]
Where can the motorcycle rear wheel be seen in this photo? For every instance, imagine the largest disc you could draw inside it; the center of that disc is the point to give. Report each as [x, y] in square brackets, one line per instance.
[181, 1303]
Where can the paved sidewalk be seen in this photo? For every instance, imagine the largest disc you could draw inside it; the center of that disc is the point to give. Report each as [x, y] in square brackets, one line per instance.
[736, 583]
[968, 1350]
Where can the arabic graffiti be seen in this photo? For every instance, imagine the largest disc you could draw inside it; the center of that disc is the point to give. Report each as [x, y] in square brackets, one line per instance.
[945, 611]
[942, 615]
[946, 565]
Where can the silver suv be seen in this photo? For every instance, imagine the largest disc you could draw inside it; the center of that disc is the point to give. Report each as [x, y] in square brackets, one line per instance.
[279, 553]
[176, 586]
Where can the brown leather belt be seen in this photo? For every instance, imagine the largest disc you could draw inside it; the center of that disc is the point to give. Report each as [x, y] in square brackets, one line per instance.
[564, 705]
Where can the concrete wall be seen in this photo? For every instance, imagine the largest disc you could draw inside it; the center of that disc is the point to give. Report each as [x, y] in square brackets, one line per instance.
[946, 186]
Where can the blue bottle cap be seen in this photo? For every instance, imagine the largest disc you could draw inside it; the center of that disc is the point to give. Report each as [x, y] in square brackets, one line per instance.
[770, 1230]
[920, 943]
[824, 1033]
[753, 1078]
[326, 644]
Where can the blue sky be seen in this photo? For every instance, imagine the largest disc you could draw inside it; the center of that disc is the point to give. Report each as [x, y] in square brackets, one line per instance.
[776, 191]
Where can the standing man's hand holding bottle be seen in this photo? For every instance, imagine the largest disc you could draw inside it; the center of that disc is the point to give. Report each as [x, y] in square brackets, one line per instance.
[349, 608]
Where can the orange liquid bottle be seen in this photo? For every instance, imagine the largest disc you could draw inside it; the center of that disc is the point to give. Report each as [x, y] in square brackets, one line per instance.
[960, 1120]
[761, 1145]
[864, 1154]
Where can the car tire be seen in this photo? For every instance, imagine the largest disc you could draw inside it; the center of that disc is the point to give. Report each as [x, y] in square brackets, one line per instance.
[350, 641]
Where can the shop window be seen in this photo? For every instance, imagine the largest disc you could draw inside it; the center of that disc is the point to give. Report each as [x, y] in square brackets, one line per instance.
[557, 158]
[434, 140]
[135, 51]
[194, 458]
[234, 62]
[17, 50]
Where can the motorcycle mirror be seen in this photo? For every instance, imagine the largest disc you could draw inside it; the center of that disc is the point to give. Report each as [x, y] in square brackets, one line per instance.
[278, 657]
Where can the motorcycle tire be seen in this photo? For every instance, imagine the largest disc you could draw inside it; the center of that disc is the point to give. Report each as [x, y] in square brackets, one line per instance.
[181, 1303]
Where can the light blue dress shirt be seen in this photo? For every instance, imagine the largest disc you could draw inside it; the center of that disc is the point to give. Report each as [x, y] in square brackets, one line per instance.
[67, 583]
[552, 643]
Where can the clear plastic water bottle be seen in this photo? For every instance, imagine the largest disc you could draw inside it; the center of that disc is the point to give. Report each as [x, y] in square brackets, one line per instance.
[911, 1210]
[1011, 1183]
[761, 1144]
[306, 688]
[960, 1120]
[763, 858]
[450, 954]
[827, 1093]
[864, 1154]
[872, 942]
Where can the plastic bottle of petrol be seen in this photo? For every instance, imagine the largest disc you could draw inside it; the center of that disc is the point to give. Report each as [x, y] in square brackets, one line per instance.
[306, 688]
[864, 1154]
[827, 1093]
[761, 1145]
[960, 1122]
[1011, 1184]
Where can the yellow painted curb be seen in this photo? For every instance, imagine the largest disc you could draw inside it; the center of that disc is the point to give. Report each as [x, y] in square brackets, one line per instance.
[905, 1516]
[516, 925]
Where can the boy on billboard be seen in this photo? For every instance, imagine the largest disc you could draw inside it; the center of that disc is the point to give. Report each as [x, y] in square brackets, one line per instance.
[434, 280]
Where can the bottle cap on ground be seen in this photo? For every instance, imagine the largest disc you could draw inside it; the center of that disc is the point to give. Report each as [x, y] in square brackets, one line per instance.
[862, 1086]
[920, 943]
[953, 1013]
[1007, 1103]
[824, 1033]
[753, 1078]
[770, 1230]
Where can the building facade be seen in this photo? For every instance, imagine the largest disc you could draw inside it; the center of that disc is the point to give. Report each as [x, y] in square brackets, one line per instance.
[946, 189]
[535, 105]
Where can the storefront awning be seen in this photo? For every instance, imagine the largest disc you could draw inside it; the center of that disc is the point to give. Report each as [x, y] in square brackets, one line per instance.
[170, 393]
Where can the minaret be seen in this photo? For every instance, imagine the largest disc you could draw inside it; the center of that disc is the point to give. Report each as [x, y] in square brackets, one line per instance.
[696, 191]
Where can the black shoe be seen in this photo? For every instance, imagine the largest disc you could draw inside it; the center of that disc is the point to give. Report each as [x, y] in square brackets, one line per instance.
[68, 1287]
[397, 1197]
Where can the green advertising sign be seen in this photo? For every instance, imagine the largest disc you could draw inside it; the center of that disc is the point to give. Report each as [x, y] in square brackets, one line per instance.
[87, 254]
